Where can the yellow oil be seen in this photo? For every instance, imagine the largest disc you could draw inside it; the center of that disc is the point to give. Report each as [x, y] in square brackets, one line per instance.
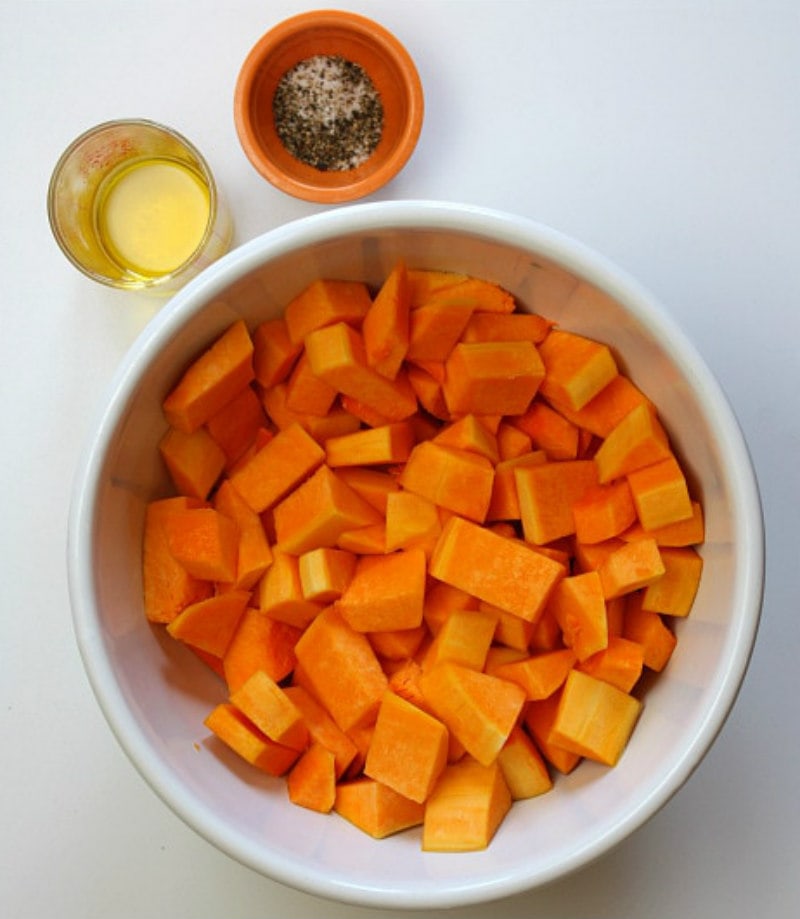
[151, 215]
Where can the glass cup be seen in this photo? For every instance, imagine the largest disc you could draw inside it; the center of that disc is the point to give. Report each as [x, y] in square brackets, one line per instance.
[134, 205]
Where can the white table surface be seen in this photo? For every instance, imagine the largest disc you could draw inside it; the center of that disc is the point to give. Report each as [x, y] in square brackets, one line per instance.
[665, 134]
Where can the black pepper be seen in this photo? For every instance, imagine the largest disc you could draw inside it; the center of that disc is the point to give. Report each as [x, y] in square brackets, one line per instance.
[328, 113]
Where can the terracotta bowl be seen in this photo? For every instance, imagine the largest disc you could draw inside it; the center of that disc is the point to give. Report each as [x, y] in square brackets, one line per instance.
[335, 34]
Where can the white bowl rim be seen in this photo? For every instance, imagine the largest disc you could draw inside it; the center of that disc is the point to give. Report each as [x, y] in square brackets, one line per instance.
[477, 221]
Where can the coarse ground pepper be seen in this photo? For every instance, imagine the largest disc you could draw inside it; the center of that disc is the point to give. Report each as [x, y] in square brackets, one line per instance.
[328, 113]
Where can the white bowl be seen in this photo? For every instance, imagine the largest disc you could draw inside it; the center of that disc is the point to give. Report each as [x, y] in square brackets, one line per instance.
[155, 695]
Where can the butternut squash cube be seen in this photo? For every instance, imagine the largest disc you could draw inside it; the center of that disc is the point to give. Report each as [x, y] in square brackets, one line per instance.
[280, 592]
[523, 768]
[538, 719]
[479, 709]
[210, 624]
[411, 520]
[468, 433]
[457, 480]
[649, 630]
[594, 719]
[263, 701]
[435, 329]
[464, 637]
[503, 572]
[619, 663]
[381, 446]
[637, 441]
[306, 393]
[633, 565]
[674, 592]
[337, 355]
[341, 669]
[660, 494]
[539, 675]
[168, 587]
[274, 353]
[318, 511]
[576, 368]
[325, 573]
[323, 303]
[277, 467]
[492, 378]
[579, 606]
[204, 541]
[386, 324]
[212, 380]
[259, 643]
[244, 738]
[375, 808]
[408, 749]
[311, 782]
[466, 807]
[322, 729]
[194, 461]
[547, 493]
[386, 592]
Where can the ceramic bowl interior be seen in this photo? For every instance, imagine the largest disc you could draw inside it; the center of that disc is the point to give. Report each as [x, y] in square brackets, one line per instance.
[155, 695]
[335, 34]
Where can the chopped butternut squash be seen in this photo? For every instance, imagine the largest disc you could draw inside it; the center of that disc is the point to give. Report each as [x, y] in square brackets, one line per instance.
[428, 541]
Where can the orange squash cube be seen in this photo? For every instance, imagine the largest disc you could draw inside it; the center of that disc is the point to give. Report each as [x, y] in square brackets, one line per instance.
[408, 749]
[503, 572]
[492, 378]
[576, 368]
[579, 606]
[457, 480]
[539, 675]
[386, 592]
[479, 709]
[168, 587]
[264, 703]
[375, 808]
[547, 493]
[594, 719]
[311, 782]
[637, 441]
[259, 643]
[323, 303]
[244, 738]
[194, 461]
[660, 494]
[411, 520]
[464, 638]
[380, 446]
[277, 467]
[603, 512]
[274, 353]
[205, 542]
[523, 768]
[212, 380]
[341, 669]
[337, 356]
[210, 624]
[280, 593]
[386, 324]
[466, 807]
[674, 592]
[318, 511]
[633, 565]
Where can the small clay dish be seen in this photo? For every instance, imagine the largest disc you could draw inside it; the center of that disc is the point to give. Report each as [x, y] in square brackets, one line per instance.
[332, 34]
